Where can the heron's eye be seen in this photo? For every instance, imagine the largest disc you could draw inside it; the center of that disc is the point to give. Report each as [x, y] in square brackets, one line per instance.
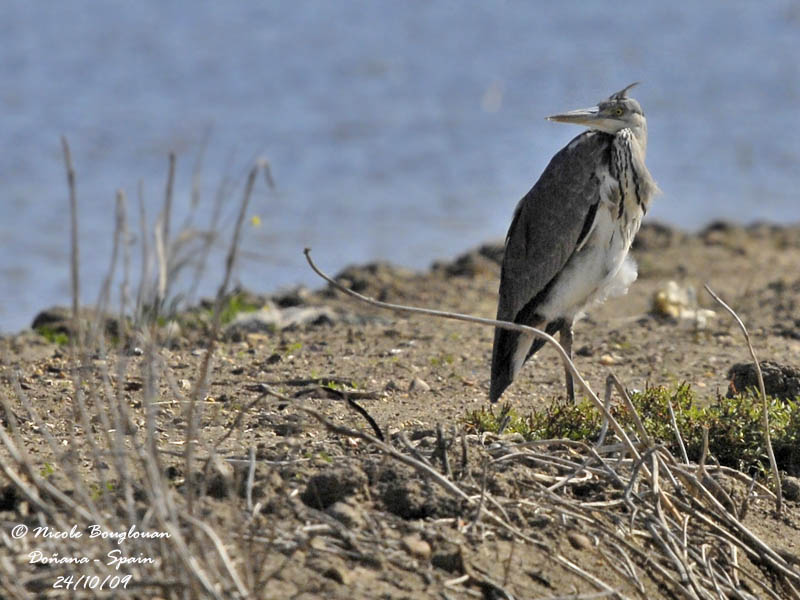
[618, 112]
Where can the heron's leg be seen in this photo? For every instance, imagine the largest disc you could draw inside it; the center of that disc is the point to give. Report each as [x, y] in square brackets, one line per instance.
[566, 343]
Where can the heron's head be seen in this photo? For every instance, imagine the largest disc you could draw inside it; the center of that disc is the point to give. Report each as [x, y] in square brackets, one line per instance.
[612, 115]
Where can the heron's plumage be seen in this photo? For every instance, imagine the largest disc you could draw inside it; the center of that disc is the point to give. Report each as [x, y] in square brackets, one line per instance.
[568, 241]
[551, 220]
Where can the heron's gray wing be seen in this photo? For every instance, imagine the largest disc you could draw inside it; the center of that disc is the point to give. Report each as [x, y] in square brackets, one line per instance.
[550, 222]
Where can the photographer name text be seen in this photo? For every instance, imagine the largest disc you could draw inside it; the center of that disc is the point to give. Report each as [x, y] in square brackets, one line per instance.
[91, 531]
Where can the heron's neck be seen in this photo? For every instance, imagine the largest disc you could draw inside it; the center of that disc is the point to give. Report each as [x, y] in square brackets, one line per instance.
[640, 135]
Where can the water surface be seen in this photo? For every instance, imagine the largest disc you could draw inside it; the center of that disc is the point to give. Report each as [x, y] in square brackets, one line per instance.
[396, 130]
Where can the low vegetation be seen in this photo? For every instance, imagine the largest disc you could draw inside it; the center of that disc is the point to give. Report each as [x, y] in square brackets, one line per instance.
[734, 425]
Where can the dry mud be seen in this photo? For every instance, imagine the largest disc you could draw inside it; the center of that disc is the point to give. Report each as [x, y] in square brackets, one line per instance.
[331, 515]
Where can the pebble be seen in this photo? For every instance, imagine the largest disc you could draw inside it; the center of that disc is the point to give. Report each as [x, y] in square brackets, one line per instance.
[579, 541]
[338, 574]
[347, 514]
[272, 318]
[607, 360]
[790, 487]
[418, 385]
[416, 546]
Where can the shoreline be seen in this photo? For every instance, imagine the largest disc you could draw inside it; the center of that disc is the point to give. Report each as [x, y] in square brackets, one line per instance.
[651, 236]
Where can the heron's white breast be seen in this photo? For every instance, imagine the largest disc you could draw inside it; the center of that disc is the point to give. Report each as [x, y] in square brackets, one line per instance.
[601, 267]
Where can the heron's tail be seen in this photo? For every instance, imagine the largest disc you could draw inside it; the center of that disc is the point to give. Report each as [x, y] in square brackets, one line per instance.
[505, 342]
[510, 351]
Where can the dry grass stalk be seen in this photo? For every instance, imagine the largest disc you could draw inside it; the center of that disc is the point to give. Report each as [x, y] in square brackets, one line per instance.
[568, 364]
[681, 559]
[104, 431]
[677, 432]
[661, 504]
[74, 255]
[765, 402]
[201, 383]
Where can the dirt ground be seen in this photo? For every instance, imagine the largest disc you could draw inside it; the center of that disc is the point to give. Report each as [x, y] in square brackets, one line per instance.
[340, 519]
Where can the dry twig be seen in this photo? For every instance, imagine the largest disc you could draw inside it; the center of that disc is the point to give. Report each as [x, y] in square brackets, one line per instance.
[767, 442]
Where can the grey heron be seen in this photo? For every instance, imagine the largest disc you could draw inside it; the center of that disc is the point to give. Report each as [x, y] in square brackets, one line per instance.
[568, 242]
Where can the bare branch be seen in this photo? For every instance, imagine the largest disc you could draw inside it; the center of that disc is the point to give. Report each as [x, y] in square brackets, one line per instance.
[765, 402]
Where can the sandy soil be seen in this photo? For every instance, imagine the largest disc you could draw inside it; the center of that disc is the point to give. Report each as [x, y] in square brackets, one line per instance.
[337, 518]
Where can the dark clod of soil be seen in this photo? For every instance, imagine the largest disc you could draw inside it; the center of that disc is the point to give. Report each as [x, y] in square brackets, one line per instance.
[9, 497]
[332, 485]
[58, 319]
[780, 381]
[413, 499]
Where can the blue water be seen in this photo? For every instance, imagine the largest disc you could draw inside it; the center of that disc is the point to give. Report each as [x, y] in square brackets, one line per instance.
[397, 130]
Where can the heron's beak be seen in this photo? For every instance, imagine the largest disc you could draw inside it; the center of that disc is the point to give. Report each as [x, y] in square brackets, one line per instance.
[583, 116]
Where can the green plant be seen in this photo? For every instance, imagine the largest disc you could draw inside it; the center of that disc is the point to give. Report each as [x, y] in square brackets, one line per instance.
[293, 347]
[53, 336]
[734, 425]
[444, 359]
[235, 304]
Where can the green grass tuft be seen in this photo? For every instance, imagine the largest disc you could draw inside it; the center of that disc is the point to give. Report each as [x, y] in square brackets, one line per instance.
[53, 336]
[734, 424]
[235, 304]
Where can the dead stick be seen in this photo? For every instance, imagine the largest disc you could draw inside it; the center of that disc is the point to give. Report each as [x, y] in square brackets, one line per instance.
[74, 260]
[767, 441]
[492, 323]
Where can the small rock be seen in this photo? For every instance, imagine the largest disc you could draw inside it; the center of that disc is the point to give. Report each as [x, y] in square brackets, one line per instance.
[416, 546]
[273, 318]
[579, 541]
[318, 543]
[347, 514]
[607, 360]
[790, 486]
[391, 386]
[418, 385]
[338, 574]
[680, 303]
